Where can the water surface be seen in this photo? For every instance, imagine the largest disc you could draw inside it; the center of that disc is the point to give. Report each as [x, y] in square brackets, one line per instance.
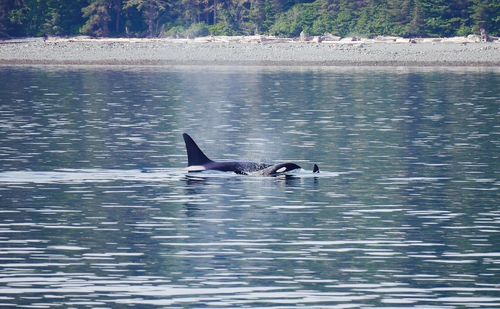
[98, 211]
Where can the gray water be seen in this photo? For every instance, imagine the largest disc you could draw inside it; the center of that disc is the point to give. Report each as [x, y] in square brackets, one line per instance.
[97, 210]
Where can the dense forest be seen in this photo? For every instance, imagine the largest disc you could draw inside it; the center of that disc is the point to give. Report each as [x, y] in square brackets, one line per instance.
[288, 18]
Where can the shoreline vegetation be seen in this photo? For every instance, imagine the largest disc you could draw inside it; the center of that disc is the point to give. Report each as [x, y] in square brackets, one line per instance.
[251, 32]
[285, 18]
[257, 50]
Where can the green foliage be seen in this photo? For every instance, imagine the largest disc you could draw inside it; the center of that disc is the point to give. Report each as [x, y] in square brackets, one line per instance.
[486, 15]
[374, 21]
[11, 20]
[197, 30]
[52, 24]
[464, 31]
[221, 28]
[176, 32]
[151, 10]
[98, 18]
[194, 31]
[322, 25]
[301, 17]
[191, 18]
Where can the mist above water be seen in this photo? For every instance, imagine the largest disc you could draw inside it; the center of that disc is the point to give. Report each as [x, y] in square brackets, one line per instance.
[98, 210]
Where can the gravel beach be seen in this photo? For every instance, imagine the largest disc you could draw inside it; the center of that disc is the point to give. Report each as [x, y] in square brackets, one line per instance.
[249, 51]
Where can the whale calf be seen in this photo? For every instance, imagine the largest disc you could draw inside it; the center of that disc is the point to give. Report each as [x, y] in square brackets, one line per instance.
[198, 161]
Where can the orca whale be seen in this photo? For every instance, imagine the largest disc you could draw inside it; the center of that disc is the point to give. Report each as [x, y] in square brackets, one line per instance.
[198, 161]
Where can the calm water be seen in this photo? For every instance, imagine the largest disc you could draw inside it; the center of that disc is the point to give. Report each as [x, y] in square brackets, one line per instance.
[97, 210]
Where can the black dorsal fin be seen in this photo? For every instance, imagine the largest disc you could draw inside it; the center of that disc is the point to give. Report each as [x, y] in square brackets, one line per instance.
[194, 153]
[315, 169]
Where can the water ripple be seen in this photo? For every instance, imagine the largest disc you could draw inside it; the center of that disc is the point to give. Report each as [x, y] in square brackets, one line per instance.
[97, 210]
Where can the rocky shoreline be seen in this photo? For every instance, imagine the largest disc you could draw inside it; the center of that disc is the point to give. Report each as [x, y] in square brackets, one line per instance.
[254, 51]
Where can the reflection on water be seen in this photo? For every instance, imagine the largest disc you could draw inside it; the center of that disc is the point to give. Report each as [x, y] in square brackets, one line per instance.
[97, 210]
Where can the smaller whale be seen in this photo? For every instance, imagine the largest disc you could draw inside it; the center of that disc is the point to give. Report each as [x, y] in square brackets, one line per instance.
[198, 161]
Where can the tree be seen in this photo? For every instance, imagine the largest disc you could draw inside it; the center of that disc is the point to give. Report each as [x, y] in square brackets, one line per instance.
[117, 5]
[375, 19]
[443, 17]
[400, 14]
[346, 15]
[150, 9]
[238, 11]
[257, 14]
[7, 7]
[24, 17]
[191, 10]
[417, 22]
[59, 17]
[228, 17]
[98, 18]
[486, 15]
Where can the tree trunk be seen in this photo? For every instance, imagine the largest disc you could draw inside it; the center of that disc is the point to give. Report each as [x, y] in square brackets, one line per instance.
[151, 25]
[105, 29]
[117, 6]
[150, 15]
[215, 12]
